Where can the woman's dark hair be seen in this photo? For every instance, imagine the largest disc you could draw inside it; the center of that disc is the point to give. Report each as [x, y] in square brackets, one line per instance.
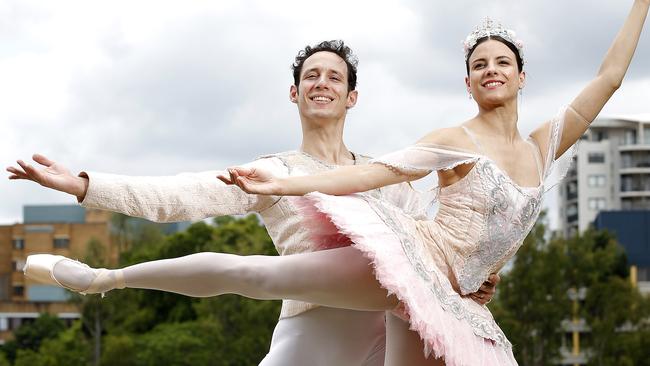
[337, 47]
[512, 47]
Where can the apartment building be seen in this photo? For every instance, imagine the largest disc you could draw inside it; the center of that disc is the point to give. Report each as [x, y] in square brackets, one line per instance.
[64, 230]
[611, 172]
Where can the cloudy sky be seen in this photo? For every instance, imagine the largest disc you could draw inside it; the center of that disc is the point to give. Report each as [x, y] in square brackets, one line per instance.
[162, 87]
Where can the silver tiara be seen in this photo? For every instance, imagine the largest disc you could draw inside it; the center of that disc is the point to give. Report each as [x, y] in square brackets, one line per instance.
[492, 28]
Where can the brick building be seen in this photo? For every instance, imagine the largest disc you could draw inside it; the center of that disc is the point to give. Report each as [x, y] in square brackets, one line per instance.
[61, 229]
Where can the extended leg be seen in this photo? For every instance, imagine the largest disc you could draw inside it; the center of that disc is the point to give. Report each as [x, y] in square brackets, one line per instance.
[339, 277]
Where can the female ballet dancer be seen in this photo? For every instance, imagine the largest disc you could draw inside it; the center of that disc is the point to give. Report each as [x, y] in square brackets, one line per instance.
[491, 183]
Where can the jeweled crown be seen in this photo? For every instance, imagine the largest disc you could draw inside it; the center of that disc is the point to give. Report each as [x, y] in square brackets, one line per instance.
[492, 28]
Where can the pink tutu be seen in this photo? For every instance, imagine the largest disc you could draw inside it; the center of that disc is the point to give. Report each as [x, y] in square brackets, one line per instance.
[445, 321]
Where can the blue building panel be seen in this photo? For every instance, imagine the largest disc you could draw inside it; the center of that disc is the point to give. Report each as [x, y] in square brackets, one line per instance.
[632, 230]
[44, 293]
[72, 214]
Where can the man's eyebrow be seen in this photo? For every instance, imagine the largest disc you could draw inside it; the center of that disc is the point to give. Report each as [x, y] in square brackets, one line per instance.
[307, 71]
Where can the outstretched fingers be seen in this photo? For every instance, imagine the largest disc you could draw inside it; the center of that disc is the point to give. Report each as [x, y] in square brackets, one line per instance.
[43, 160]
[31, 173]
[16, 173]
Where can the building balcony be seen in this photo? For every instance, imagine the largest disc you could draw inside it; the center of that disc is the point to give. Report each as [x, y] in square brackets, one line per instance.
[634, 147]
[572, 174]
[568, 358]
[579, 326]
[632, 193]
[638, 169]
[572, 218]
[644, 287]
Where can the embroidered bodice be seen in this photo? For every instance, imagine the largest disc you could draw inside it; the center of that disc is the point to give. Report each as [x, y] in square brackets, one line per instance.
[483, 218]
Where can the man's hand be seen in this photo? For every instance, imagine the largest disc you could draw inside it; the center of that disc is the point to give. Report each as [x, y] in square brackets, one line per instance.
[487, 290]
[50, 175]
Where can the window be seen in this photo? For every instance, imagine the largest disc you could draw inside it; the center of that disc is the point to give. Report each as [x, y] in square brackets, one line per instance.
[572, 210]
[19, 243]
[4, 287]
[596, 157]
[61, 243]
[597, 203]
[18, 265]
[596, 180]
[19, 290]
[630, 137]
[643, 274]
[600, 135]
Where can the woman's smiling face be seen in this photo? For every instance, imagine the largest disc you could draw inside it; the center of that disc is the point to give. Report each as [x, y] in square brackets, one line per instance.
[494, 76]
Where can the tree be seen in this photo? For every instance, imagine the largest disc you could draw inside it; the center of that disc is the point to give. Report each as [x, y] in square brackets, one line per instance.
[93, 310]
[243, 327]
[29, 336]
[3, 360]
[532, 299]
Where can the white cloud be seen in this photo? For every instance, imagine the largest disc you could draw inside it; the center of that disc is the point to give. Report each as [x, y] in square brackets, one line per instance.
[159, 87]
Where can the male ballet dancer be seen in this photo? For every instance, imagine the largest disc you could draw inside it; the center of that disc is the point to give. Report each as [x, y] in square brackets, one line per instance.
[306, 334]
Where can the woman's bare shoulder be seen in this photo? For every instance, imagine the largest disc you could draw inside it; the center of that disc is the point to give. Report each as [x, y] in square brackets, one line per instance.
[454, 137]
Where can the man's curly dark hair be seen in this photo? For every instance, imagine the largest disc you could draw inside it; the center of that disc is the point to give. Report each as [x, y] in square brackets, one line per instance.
[337, 47]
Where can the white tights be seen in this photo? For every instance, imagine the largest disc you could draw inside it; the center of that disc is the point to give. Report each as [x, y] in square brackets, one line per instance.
[339, 278]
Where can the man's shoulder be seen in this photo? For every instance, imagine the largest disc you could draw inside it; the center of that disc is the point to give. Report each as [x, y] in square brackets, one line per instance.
[280, 155]
[305, 162]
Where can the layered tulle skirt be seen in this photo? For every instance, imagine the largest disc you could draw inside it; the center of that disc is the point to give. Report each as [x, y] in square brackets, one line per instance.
[410, 265]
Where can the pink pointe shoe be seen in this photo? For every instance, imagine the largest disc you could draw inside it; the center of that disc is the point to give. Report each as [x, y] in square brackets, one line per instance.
[72, 275]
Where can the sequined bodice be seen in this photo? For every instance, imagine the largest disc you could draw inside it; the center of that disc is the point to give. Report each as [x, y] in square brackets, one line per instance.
[490, 216]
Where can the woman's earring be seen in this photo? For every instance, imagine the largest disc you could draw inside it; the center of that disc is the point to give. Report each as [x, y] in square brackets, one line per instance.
[470, 94]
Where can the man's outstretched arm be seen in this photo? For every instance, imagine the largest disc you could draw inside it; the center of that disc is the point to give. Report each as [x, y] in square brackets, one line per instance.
[188, 196]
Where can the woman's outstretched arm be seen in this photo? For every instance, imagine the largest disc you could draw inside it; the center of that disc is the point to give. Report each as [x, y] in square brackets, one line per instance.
[586, 106]
[340, 181]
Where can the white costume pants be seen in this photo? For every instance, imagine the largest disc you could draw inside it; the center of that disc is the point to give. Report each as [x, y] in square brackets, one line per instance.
[329, 337]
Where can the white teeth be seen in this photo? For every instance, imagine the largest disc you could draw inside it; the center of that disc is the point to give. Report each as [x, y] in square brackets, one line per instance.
[321, 99]
[493, 84]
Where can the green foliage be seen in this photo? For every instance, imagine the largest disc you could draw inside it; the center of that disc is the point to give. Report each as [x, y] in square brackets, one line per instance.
[531, 299]
[68, 347]
[28, 357]
[188, 343]
[242, 327]
[139, 327]
[30, 336]
[3, 360]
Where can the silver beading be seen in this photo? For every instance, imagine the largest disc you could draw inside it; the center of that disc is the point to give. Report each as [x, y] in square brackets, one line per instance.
[492, 28]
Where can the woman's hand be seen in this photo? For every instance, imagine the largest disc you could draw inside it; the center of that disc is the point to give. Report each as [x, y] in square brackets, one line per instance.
[50, 175]
[488, 289]
[252, 180]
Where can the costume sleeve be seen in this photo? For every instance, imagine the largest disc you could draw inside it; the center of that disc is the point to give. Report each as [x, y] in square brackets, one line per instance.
[417, 160]
[186, 196]
[425, 158]
[556, 169]
[412, 201]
